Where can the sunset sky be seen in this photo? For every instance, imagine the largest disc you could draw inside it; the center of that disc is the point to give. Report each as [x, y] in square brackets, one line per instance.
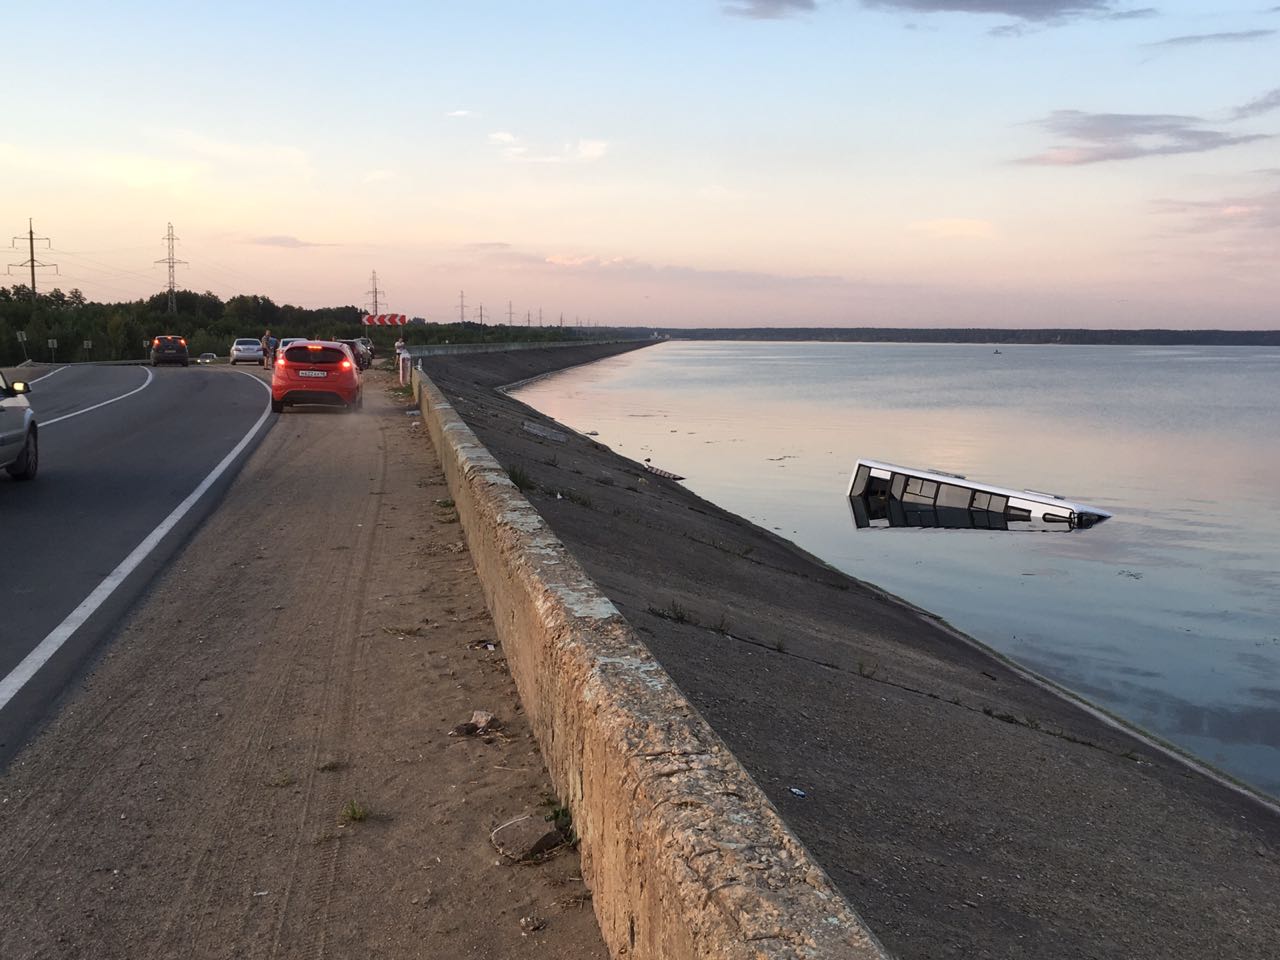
[1093, 163]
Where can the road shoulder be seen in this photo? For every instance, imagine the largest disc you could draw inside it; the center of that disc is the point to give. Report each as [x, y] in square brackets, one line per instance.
[263, 762]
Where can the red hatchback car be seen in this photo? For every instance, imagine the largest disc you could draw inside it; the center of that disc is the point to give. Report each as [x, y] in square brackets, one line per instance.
[316, 371]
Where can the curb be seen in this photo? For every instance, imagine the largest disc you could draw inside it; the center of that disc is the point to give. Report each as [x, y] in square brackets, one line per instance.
[684, 854]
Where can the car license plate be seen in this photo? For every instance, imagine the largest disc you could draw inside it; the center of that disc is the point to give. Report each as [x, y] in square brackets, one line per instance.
[312, 373]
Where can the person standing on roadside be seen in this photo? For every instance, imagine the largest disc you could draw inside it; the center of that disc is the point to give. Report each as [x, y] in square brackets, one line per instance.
[269, 344]
[402, 358]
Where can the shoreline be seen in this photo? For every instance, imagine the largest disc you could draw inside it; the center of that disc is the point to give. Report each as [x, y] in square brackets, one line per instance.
[913, 741]
[1153, 739]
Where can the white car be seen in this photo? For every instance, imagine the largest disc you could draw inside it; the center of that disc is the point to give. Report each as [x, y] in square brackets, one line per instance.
[19, 448]
[246, 350]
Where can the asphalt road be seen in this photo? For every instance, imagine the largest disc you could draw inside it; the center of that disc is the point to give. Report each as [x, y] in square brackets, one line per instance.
[128, 457]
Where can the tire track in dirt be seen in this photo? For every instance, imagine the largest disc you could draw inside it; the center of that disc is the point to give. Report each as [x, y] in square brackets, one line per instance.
[330, 739]
[252, 790]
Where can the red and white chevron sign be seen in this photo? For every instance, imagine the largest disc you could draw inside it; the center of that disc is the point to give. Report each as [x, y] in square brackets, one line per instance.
[385, 320]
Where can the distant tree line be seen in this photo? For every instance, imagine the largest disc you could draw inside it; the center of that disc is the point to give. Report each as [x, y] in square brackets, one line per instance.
[123, 331]
[1270, 338]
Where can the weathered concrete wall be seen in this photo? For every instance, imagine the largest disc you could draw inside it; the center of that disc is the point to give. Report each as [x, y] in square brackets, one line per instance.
[684, 854]
[449, 349]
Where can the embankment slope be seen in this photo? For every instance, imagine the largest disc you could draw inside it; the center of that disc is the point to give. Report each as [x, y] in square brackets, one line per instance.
[962, 809]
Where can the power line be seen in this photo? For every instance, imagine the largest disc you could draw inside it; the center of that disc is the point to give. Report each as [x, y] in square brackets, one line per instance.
[87, 263]
[33, 262]
[172, 261]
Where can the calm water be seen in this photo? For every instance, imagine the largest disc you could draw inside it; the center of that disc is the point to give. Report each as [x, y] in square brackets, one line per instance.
[1168, 614]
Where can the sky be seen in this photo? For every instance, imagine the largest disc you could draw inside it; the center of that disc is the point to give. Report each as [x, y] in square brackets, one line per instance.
[1003, 163]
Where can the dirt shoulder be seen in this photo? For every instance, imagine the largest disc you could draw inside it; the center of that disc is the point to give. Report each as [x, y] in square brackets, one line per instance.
[261, 762]
[962, 809]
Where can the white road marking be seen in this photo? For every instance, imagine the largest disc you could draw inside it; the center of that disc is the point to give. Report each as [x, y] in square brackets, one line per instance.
[67, 416]
[46, 376]
[37, 658]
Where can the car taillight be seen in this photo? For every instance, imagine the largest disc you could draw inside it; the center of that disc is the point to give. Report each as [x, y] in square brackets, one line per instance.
[346, 364]
[155, 342]
[181, 341]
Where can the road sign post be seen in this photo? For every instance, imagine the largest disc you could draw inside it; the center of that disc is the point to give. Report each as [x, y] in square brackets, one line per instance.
[22, 339]
[88, 349]
[53, 348]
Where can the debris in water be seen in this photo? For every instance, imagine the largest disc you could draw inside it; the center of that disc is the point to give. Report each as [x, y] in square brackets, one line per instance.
[657, 471]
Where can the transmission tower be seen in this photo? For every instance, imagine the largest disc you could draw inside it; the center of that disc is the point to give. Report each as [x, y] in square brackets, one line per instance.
[172, 261]
[32, 262]
[462, 306]
[373, 281]
[508, 313]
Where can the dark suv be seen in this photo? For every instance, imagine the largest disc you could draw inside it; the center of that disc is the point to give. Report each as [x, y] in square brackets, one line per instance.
[169, 349]
[364, 359]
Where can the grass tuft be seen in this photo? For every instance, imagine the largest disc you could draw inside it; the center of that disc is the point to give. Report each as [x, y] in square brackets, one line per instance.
[354, 812]
[561, 817]
[573, 496]
[673, 612]
[520, 477]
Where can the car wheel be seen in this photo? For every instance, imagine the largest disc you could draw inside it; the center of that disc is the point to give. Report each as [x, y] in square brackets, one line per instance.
[186, 363]
[277, 406]
[24, 468]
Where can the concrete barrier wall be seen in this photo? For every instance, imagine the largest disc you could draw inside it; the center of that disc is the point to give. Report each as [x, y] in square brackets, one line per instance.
[683, 853]
[448, 349]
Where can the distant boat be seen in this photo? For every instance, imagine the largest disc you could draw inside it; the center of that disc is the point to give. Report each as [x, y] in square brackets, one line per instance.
[995, 351]
[887, 495]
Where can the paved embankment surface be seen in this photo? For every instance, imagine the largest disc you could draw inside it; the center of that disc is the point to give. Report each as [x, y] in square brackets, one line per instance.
[311, 647]
[963, 810]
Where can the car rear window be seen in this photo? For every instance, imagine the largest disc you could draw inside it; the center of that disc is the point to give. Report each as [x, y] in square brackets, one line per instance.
[248, 343]
[319, 355]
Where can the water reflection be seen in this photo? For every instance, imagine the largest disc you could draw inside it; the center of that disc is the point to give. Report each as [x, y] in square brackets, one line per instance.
[1181, 589]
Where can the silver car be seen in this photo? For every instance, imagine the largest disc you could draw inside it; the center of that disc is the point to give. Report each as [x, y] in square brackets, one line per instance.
[246, 350]
[19, 447]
